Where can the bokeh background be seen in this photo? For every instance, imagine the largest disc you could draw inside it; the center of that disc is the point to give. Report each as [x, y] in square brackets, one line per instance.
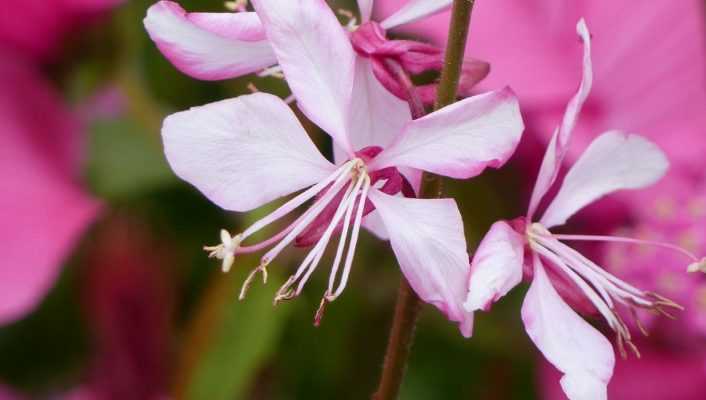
[107, 294]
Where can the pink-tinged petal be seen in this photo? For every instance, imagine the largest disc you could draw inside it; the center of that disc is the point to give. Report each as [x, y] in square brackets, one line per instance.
[660, 373]
[614, 161]
[428, 239]
[496, 267]
[209, 46]
[572, 345]
[43, 209]
[366, 9]
[374, 224]
[244, 152]
[415, 10]
[459, 140]
[317, 58]
[376, 116]
[557, 148]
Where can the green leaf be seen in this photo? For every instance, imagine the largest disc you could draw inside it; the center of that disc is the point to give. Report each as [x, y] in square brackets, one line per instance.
[243, 339]
[124, 161]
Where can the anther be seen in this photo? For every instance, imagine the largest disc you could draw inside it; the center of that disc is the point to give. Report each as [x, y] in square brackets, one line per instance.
[320, 311]
[285, 292]
[248, 281]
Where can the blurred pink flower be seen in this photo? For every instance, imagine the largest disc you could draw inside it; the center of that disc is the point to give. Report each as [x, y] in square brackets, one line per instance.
[674, 210]
[660, 374]
[36, 28]
[43, 209]
[230, 148]
[650, 58]
[613, 161]
[128, 302]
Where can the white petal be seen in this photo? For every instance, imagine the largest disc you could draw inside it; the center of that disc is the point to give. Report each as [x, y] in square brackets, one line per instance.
[317, 58]
[428, 239]
[244, 152]
[374, 224]
[459, 140]
[572, 345]
[415, 10]
[209, 46]
[557, 148]
[496, 267]
[613, 161]
[376, 115]
[366, 9]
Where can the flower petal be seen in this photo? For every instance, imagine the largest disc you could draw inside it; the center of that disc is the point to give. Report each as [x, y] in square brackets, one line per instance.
[614, 161]
[496, 266]
[43, 208]
[459, 140]
[374, 224]
[317, 58]
[366, 9]
[572, 345]
[244, 152]
[209, 46]
[376, 116]
[415, 10]
[556, 150]
[428, 239]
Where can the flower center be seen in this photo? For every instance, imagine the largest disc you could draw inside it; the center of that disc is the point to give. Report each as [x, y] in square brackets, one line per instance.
[345, 193]
[605, 291]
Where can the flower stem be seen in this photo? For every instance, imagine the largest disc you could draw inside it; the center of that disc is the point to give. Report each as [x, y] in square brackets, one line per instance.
[408, 303]
[455, 49]
[400, 342]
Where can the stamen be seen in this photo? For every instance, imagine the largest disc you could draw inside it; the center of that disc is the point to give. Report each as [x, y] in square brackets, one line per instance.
[248, 281]
[311, 214]
[607, 312]
[578, 268]
[295, 228]
[339, 250]
[314, 257]
[284, 292]
[354, 241]
[338, 176]
[601, 238]
[638, 322]
[320, 311]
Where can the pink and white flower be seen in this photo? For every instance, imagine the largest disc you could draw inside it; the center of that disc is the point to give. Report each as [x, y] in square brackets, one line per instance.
[215, 46]
[613, 161]
[245, 152]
